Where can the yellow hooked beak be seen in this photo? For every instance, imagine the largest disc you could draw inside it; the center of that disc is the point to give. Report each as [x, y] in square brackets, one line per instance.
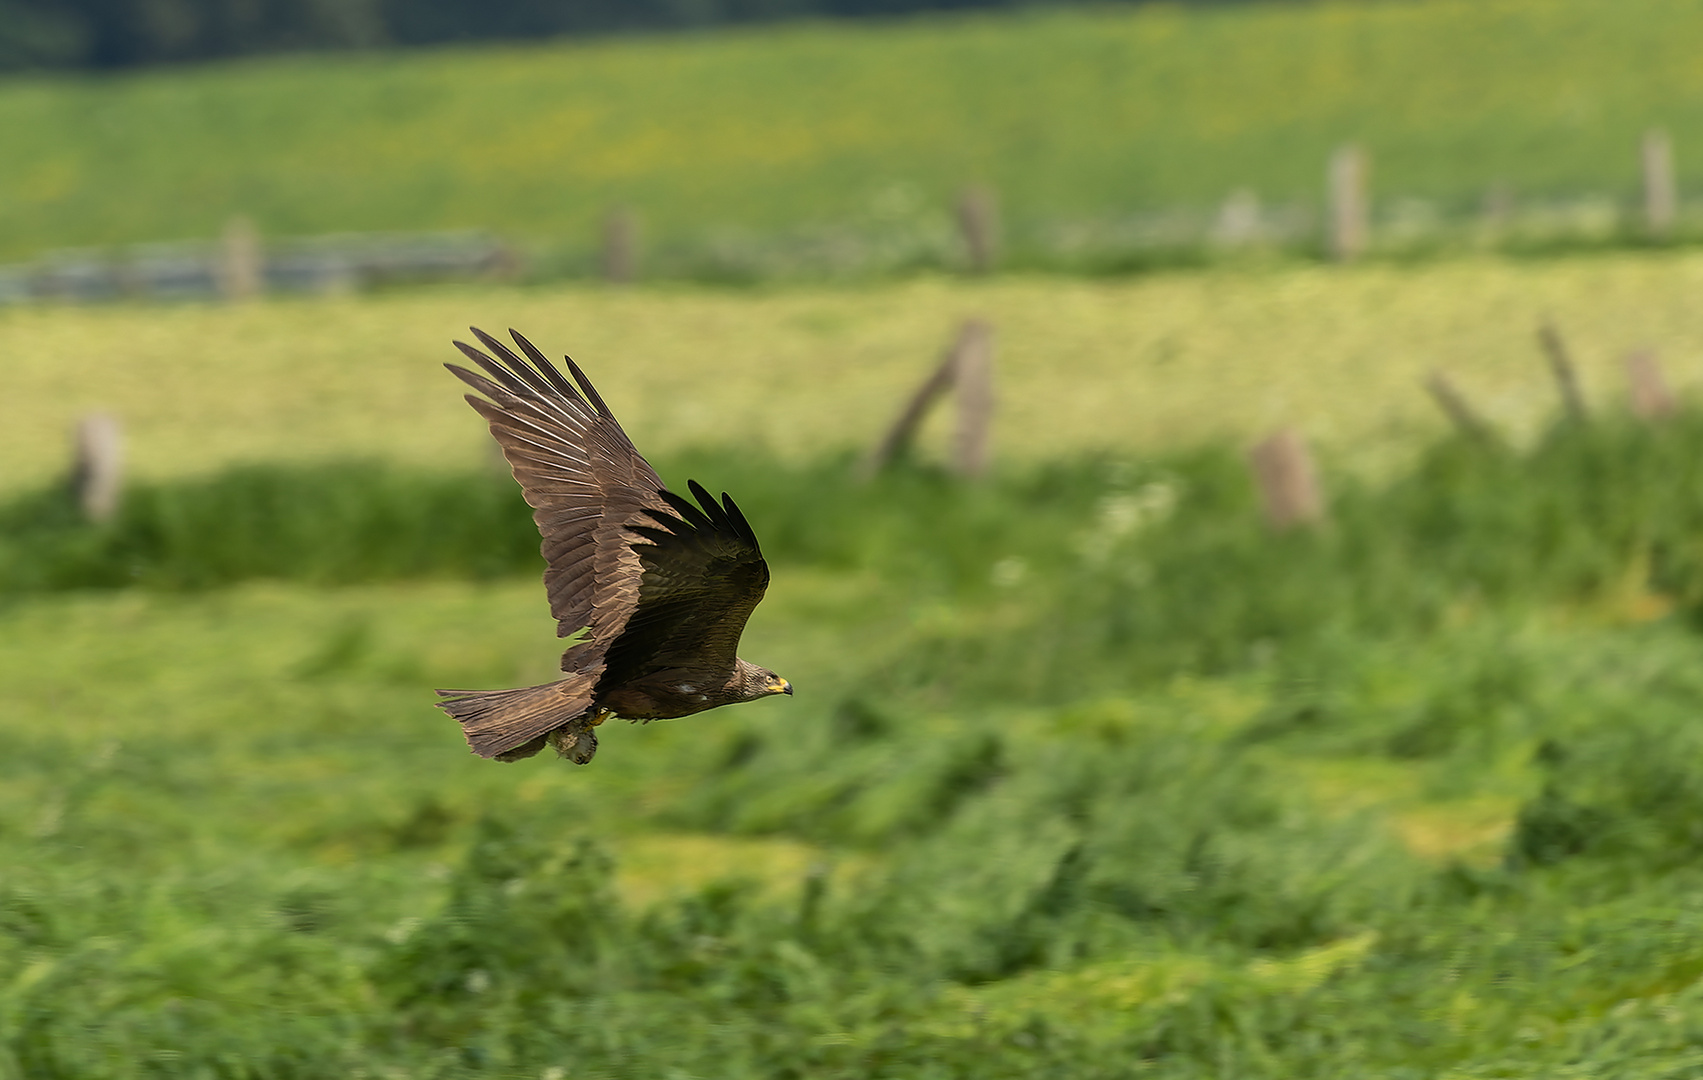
[778, 685]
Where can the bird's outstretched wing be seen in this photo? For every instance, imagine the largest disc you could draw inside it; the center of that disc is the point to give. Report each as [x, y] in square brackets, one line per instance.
[656, 581]
[583, 478]
[703, 575]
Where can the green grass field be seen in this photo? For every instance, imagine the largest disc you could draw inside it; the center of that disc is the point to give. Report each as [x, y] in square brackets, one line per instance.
[722, 140]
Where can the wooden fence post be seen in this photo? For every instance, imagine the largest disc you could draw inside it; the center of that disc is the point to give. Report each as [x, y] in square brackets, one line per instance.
[97, 471]
[1455, 406]
[1652, 398]
[1349, 212]
[503, 263]
[1288, 482]
[620, 246]
[1566, 375]
[1238, 223]
[241, 271]
[1498, 208]
[1661, 192]
[972, 442]
[904, 429]
[966, 366]
[978, 219]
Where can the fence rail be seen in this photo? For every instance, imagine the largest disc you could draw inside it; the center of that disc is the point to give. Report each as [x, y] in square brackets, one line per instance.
[1349, 219]
[243, 264]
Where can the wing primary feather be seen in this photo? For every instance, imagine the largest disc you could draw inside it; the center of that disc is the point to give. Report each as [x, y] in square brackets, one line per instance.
[498, 349]
[501, 374]
[712, 509]
[656, 536]
[475, 380]
[665, 522]
[513, 421]
[522, 370]
[532, 395]
[692, 515]
[591, 393]
[543, 364]
[746, 532]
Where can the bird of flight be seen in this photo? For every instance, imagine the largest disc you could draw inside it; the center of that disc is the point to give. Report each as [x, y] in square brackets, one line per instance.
[652, 588]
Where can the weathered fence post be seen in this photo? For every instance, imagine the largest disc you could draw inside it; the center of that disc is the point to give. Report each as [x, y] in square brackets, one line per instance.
[1288, 482]
[1349, 214]
[241, 271]
[1498, 208]
[904, 429]
[966, 366]
[503, 263]
[620, 246]
[1652, 398]
[1661, 192]
[972, 441]
[98, 466]
[1566, 375]
[978, 219]
[1455, 407]
[1238, 223]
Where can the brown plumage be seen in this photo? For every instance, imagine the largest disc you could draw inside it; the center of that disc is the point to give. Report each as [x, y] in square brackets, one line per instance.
[654, 588]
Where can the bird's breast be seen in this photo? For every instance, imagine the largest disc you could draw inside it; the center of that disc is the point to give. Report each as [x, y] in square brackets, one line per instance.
[659, 698]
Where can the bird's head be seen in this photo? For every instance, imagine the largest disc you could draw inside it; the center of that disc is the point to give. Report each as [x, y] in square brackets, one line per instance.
[761, 682]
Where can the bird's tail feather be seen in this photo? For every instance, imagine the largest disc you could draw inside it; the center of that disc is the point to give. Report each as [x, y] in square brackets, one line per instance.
[513, 724]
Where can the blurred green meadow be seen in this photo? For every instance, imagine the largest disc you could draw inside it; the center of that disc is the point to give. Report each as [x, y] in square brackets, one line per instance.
[1087, 775]
[860, 134]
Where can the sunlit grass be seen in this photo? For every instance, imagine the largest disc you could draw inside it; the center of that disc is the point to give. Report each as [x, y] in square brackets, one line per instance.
[1128, 365]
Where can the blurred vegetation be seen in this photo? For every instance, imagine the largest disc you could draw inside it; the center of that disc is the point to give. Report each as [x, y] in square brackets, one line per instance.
[122, 33]
[1110, 569]
[328, 524]
[1086, 776]
[831, 148]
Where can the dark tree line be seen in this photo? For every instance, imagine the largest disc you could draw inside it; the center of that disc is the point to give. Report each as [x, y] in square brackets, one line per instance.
[125, 33]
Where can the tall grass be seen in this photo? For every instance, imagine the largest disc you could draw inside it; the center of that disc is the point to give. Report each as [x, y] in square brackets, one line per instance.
[1100, 780]
[1119, 887]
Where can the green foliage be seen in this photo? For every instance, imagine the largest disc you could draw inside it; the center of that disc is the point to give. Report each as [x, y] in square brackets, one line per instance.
[330, 523]
[1624, 788]
[1106, 572]
[1087, 775]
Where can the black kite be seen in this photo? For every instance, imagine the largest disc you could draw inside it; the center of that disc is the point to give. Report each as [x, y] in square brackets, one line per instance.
[654, 589]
